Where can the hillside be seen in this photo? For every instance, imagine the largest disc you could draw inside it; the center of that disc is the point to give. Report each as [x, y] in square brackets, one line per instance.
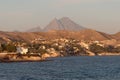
[117, 36]
[70, 25]
[29, 36]
[18, 36]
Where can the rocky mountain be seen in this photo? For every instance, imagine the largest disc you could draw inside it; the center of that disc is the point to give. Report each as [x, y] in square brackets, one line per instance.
[63, 24]
[54, 25]
[68, 24]
[59, 24]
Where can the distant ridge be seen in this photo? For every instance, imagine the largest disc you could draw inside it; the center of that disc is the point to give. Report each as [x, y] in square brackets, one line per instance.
[63, 24]
[36, 29]
[87, 35]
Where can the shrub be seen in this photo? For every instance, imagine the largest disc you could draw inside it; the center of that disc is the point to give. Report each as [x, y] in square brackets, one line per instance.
[96, 48]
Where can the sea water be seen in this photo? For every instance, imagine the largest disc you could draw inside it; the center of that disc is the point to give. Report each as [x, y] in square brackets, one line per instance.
[65, 68]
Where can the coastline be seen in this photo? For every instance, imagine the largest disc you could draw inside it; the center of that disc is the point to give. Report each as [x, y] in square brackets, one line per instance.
[109, 54]
[14, 57]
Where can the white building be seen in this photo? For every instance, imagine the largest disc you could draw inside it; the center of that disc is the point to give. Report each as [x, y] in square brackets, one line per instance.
[22, 50]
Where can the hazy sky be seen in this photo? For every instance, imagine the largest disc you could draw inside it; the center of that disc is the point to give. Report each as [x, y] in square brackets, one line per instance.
[102, 15]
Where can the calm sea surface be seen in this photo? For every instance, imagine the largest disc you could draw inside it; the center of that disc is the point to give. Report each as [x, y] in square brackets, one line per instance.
[67, 68]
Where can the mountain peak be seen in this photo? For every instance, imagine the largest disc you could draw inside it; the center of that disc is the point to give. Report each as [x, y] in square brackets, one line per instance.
[65, 18]
[53, 25]
[64, 23]
[55, 19]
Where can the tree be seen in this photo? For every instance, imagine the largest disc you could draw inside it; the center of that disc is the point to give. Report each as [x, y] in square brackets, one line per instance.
[110, 48]
[10, 48]
[69, 50]
[0, 49]
[3, 47]
[118, 49]
[96, 48]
